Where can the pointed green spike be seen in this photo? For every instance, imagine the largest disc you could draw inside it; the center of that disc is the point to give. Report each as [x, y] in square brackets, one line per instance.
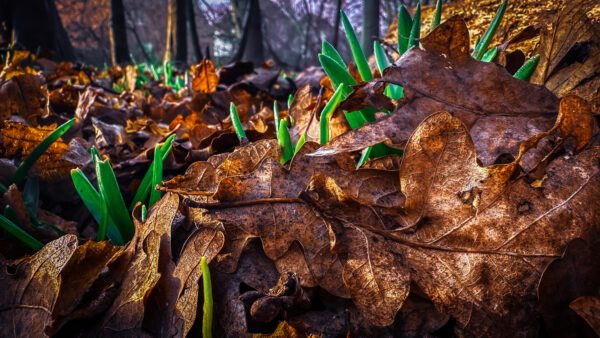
[524, 73]
[237, 124]
[405, 23]
[490, 55]
[357, 52]
[488, 36]
[437, 16]
[327, 112]
[285, 142]
[415, 31]
[336, 73]
[329, 50]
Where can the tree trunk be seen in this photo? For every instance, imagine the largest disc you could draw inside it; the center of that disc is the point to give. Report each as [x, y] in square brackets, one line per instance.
[36, 26]
[171, 18]
[370, 24]
[336, 25]
[119, 51]
[181, 31]
[193, 31]
[251, 46]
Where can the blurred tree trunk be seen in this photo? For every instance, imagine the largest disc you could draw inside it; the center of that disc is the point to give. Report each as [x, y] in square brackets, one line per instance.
[171, 18]
[119, 51]
[193, 31]
[336, 25]
[251, 45]
[36, 26]
[181, 31]
[370, 24]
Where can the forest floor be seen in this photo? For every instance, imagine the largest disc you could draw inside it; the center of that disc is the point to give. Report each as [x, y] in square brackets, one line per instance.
[443, 195]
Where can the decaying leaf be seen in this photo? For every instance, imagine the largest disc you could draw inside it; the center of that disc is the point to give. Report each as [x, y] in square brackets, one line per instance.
[573, 275]
[479, 93]
[30, 288]
[481, 224]
[19, 139]
[25, 95]
[570, 52]
[589, 309]
[126, 315]
[204, 77]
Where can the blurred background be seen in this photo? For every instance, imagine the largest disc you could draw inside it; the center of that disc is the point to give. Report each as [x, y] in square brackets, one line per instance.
[105, 32]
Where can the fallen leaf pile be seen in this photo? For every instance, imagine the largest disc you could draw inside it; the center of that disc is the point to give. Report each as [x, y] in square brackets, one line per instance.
[488, 224]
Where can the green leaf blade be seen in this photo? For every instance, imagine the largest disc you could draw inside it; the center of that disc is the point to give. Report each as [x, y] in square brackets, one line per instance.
[357, 53]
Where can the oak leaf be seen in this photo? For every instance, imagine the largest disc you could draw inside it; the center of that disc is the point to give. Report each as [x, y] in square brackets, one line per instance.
[204, 77]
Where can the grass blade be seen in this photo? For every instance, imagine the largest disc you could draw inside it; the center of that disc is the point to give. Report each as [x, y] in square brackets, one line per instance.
[404, 27]
[111, 194]
[20, 234]
[95, 204]
[146, 185]
[527, 69]
[488, 36]
[329, 50]
[415, 31]
[276, 117]
[237, 124]
[300, 143]
[393, 91]
[437, 16]
[327, 112]
[357, 52]
[21, 172]
[157, 175]
[207, 308]
[490, 55]
[336, 73]
[285, 141]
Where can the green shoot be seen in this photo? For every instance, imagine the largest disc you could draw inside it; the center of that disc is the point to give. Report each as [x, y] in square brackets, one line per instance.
[337, 74]
[357, 52]
[22, 170]
[111, 194]
[290, 100]
[364, 156]
[95, 204]
[20, 234]
[146, 185]
[327, 112]
[285, 141]
[144, 213]
[157, 175]
[488, 36]
[393, 91]
[300, 143]
[404, 27]
[527, 69]
[276, 117]
[415, 31]
[329, 50]
[237, 124]
[207, 309]
[437, 17]
[490, 55]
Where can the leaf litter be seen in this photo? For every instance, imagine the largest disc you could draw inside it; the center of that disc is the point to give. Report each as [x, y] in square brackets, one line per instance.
[486, 225]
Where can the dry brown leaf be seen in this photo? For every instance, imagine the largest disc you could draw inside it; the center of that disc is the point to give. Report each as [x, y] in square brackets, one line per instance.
[126, 314]
[575, 274]
[25, 95]
[202, 243]
[19, 140]
[570, 51]
[494, 96]
[83, 269]
[589, 309]
[204, 77]
[466, 230]
[30, 288]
